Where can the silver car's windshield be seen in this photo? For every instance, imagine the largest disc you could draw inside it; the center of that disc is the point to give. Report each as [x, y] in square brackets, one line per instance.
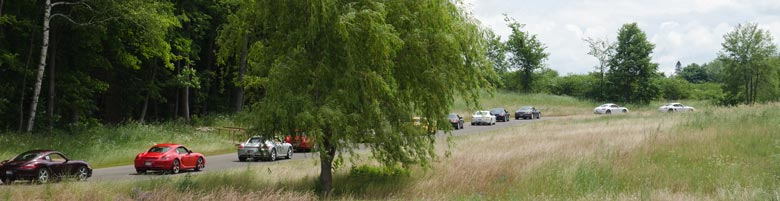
[255, 140]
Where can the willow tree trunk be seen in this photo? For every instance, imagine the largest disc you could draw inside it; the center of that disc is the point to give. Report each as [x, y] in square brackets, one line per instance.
[241, 72]
[326, 164]
[41, 66]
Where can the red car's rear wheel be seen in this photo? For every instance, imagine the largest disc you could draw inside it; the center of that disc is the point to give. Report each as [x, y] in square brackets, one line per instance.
[175, 167]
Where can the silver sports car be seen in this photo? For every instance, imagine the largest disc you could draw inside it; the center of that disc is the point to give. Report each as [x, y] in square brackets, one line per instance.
[258, 147]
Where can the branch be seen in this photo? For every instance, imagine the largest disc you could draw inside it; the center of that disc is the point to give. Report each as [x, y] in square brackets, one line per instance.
[71, 3]
[90, 22]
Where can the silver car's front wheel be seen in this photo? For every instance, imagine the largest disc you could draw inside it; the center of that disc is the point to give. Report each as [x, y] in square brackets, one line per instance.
[289, 153]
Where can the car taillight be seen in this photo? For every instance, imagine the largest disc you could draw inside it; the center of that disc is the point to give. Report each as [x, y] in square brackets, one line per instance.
[29, 166]
[240, 146]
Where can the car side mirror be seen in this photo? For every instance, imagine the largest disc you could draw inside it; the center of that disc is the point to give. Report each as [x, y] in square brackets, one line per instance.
[189, 151]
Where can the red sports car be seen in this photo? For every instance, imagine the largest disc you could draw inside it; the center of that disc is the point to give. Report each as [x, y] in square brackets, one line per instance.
[169, 157]
[300, 142]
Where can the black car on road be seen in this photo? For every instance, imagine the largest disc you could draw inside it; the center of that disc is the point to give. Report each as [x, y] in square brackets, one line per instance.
[456, 120]
[501, 114]
[528, 112]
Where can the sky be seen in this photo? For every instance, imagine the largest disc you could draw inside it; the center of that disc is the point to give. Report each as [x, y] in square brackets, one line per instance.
[689, 31]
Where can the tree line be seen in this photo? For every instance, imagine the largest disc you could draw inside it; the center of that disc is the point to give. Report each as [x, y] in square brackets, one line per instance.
[746, 70]
[71, 64]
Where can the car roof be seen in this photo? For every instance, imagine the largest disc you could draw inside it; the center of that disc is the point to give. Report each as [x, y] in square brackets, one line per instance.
[167, 145]
[41, 151]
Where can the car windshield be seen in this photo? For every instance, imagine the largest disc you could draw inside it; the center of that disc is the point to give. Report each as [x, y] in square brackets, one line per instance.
[479, 113]
[27, 156]
[605, 105]
[255, 140]
[453, 116]
[496, 110]
[158, 149]
[526, 108]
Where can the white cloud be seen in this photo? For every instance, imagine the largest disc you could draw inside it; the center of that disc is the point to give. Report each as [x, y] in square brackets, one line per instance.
[685, 30]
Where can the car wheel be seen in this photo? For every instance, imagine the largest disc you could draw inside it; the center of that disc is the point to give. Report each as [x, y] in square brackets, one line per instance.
[273, 155]
[625, 111]
[671, 110]
[83, 173]
[6, 181]
[175, 167]
[199, 166]
[461, 125]
[289, 153]
[43, 176]
[608, 112]
[242, 158]
[539, 116]
[140, 171]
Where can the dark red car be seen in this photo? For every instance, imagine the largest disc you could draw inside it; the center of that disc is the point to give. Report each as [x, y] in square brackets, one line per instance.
[171, 158]
[43, 166]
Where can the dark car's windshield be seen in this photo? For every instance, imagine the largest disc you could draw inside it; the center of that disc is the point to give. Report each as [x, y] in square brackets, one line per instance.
[453, 116]
[496, 110]
[27, 156]
[526, 108]
[158, 149]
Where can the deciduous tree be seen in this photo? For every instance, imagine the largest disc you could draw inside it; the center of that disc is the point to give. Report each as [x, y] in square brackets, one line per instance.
[751, 66]
[348, 72]
[526, 53]
[631, 73]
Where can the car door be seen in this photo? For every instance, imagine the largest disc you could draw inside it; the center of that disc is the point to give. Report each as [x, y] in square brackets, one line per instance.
[58, 164]
[679, 107]
[187, 159]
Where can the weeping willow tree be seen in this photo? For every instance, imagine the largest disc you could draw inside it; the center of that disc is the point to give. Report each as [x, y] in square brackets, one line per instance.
[350, 72]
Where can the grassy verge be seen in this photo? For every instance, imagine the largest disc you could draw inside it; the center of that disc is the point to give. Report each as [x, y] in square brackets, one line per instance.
[112, 146]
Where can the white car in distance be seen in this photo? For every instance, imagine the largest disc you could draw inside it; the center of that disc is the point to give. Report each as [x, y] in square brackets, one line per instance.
[483, 117]
[676, 107]
[609, 108]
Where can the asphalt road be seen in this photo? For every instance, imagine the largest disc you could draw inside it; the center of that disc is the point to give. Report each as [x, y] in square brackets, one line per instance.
[228, 161]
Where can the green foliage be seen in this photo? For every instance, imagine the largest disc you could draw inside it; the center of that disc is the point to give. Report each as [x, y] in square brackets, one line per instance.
[695, 73]
[674, 88]
[751, 65]
[575, 85]
[496, 52]
[527, 54]
[631, 72]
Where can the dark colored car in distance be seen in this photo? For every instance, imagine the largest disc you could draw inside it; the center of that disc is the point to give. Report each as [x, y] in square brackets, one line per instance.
[43, 166]
[528, 112]
[456, 120]
[501, 114]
